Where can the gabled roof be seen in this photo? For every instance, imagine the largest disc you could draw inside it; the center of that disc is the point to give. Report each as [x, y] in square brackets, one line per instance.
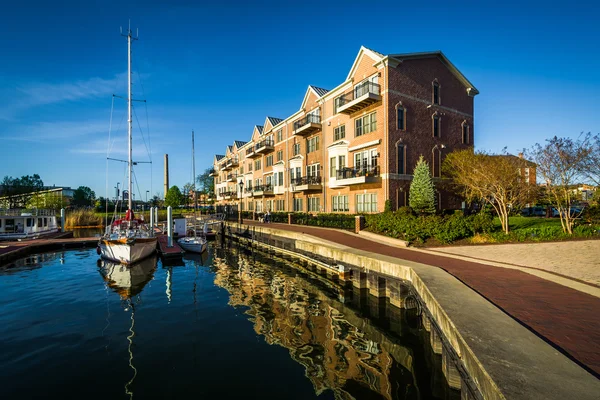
[317, 91]
[230, 148]
[219, 157]
[431, 54]
[259, 128]
[274, 121]
[364, 51]
[339, 143]
[238, 143]
[256, 132]
[320, 91]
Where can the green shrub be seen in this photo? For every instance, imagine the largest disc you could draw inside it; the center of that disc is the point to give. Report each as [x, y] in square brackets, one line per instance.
[591, 214]
[482, 222]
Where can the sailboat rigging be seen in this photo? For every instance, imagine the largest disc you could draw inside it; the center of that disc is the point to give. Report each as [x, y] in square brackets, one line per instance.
[128, 240]
[194, 244]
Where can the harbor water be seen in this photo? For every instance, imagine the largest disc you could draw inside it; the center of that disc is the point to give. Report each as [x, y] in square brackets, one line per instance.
[230, 324]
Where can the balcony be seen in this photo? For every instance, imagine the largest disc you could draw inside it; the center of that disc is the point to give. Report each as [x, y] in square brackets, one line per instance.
[363, 95]
[229, 195]
[231, 177]
[232, 163]
[223, 165]
[264, 146]
[357, 176]
[309, 124]
[263, 190]
[248, 192]
[251, 153]
[307, 184]
[214, 172]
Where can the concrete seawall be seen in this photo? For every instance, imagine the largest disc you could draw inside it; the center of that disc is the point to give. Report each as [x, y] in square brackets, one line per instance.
[485, 352]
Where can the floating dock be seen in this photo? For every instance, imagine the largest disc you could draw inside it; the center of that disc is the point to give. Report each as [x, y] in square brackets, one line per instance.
[166, 252]
[10, 251]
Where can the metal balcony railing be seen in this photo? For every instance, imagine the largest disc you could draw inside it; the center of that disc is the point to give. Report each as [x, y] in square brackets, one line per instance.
[358, 91]
[231, 177]
[263, 188]
[264, 143]
[307, 180]
[348, 173]
[308, 119]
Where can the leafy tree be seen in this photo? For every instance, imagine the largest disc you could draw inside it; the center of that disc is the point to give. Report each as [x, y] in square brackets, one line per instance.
[50, 201]
[206, 183]
[188, 191]
[156, 201]
[174, 197]
[83, 196]
[19, 190]
[493, 179]
[560, 164]
[421, 196]
[590, 165]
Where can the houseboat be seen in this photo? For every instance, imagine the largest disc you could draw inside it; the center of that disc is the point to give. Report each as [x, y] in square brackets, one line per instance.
[18, 224]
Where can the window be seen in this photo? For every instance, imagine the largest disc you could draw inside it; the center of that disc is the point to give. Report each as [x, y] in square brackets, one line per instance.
[341, 162]
[270, 205]
[295, 173]
[298, 205]
[436, 125]
[366, 203]
[313, 170]
[436, 92]
[269, 180]
[401, 164]
[269, 160]
[45, 221]
[339, 132]
[338, 102]
[312, 144]
[526, 177]
[280, 204]
[296, 149]
[366, 124]
[30, 220]
[332, 168]
[250, 166]
[339, 203]
[365, 159]
[314, 204]
[39, 224]
[280, 155]
[465, 132]
[279, 136]
[400, 118]
[257, 165]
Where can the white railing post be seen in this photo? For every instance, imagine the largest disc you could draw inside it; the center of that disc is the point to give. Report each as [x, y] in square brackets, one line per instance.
[63, 219]
[152, 219]
[170, 226]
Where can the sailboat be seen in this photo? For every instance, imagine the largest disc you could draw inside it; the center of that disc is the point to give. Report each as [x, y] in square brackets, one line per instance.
[128, 240]
[194, 244]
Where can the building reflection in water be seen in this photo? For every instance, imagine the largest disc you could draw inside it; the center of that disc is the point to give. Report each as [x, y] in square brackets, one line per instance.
[128, 282]
[340, 349]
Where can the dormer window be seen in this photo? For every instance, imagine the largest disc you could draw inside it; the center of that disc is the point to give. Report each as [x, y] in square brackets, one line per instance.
[436, 125]
[436, 92]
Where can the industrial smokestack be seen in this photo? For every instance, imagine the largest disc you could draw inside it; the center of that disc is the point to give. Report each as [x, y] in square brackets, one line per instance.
[166, 174]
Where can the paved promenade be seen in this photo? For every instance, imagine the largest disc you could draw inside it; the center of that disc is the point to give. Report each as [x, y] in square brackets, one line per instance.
[566, 318]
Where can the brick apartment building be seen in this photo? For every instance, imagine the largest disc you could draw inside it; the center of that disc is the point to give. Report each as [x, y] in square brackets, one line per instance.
[351, 148]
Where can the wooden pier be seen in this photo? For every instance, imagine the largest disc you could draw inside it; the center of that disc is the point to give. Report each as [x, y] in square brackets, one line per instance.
[10, 251]
[166, 252]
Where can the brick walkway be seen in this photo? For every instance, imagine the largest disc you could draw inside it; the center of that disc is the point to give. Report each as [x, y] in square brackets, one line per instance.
[567, 319]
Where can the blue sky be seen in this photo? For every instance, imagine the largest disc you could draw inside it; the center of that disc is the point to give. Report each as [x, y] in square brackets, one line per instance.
[222, 68]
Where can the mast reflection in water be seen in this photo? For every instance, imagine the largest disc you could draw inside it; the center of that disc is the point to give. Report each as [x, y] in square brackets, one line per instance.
[224, 327]
[128, 281]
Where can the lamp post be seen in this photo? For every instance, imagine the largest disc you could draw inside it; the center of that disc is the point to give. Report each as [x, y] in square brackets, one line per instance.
[241, 184]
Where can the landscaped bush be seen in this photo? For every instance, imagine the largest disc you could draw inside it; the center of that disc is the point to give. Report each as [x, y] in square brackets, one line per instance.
[591, 214]
[340, 221]
[404, 224]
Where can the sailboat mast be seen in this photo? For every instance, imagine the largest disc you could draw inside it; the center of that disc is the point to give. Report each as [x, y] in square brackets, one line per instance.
[194, 176]
[129, 120]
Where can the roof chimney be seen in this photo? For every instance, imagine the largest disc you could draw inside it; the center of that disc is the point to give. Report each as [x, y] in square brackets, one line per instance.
[520, 155]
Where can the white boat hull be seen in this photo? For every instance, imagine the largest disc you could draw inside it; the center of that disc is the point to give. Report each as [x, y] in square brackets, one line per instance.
[193, 245]
[127, 251]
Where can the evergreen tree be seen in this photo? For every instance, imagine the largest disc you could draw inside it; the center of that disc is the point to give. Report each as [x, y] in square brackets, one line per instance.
[421, 197]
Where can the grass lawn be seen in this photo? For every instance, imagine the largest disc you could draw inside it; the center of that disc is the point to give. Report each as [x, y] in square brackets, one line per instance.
[517, 222]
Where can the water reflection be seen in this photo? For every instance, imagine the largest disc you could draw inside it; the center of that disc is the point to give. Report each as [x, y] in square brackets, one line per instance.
[340, 350]
[128, 282]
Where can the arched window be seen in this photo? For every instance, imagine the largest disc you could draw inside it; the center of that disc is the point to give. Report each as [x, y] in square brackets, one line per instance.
[436, 124]
[400, 117]
[435, 92]
[465, 132]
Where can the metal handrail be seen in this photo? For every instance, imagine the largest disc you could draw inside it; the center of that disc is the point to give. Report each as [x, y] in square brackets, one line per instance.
[359, 90]
[347, 173]
[18, 212]
[263, 188]
[307, 180]
[264, 143]
[309, 118]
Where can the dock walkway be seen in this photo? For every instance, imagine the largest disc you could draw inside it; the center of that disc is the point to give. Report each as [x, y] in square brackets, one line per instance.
[566, 318]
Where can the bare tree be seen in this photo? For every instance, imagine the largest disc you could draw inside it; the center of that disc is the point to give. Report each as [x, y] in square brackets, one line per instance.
[560, 163]
[590, 165]
[497, 180]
